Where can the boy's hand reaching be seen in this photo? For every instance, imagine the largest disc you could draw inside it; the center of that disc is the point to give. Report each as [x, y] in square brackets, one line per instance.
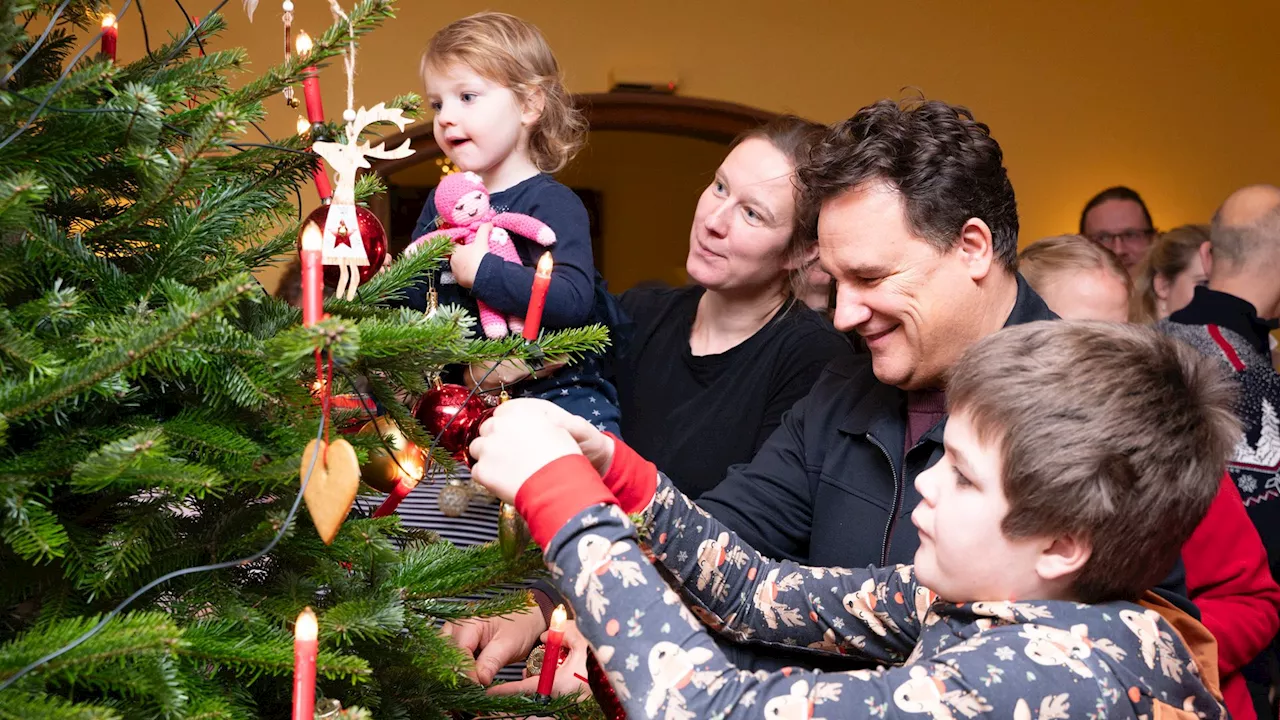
[594, 444]
[520, 439]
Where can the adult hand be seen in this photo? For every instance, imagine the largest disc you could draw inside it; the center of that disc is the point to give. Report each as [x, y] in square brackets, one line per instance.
[519, 440]
[568, 674]
[465, 260]
[496, 642]
[509, 372]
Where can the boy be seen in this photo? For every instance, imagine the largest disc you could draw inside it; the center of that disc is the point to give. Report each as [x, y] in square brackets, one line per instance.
[1079, 457]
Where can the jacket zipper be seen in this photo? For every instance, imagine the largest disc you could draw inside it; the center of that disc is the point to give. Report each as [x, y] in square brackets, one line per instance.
[897, 500]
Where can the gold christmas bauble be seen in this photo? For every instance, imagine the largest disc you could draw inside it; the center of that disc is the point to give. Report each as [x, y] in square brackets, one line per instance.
[513, 532]
[479, 494]
[533, 663]
[454, 499]
[383, 471]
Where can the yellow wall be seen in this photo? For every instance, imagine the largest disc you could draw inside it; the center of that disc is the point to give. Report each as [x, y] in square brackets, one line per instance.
[1178, 99]
[648, 184]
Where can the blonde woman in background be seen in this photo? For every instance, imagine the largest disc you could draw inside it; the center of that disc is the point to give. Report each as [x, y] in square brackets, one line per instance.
[1168, 277]
[1077, 278]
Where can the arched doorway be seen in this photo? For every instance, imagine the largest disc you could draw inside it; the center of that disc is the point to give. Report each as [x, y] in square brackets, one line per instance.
[648, 157]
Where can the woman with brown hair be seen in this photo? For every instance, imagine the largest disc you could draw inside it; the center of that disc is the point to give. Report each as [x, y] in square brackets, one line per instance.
[712, 366]
[709, 368]
[1168, 277]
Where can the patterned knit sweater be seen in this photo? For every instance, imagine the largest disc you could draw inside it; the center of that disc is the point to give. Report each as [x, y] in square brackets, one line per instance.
[1255, 464]
[1021, 660]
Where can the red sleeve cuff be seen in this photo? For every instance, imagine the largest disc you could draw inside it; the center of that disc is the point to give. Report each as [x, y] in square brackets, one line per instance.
[563, 488]
[631, 478]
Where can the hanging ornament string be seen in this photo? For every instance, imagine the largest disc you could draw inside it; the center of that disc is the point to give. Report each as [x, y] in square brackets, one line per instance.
[287, 19]
[349, 64]
[192, 103]
[328, 395]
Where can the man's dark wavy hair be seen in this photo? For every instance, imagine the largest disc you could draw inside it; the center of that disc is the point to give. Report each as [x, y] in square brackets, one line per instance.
[944, 164]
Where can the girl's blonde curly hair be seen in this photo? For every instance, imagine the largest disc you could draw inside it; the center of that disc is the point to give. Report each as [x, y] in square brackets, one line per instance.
[513, 53]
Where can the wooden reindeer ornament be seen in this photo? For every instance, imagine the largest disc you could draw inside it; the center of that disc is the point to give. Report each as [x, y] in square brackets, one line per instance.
[343, 244]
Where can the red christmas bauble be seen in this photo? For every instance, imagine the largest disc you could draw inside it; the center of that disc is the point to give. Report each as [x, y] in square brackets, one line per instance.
[603, 691]
[372, 234]
[451, 417]
[474, 432]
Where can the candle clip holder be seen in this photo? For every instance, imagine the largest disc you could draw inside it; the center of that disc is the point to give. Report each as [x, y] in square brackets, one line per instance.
[536, 359]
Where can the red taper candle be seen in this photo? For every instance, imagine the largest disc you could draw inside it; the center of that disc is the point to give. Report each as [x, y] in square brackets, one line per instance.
[304, 665]
[538, 298]
[310, 81]
[398, 494]
[315, 110]
[410, 473]
[551, 657]
[110, 34]
[312, 274]
[321, 177]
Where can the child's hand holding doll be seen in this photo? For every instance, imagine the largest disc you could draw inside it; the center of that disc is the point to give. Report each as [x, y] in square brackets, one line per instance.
[465, 260]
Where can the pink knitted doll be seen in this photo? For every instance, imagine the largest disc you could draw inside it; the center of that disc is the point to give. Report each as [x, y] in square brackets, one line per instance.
[462, 206]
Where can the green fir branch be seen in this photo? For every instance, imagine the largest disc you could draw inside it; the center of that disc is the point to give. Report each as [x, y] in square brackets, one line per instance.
[389, 285]
[173, 56]
[199, 431]
[362, 619]
[47, 244]
[127, 636]
[30, 398]
[31, 530]
[17, 705]
[253, 655]
[443, 571]
[491, 607]
[20, 196]
[21, 353]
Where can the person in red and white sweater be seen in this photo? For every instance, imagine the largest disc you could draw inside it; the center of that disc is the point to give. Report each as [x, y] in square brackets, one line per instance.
[1228, 579]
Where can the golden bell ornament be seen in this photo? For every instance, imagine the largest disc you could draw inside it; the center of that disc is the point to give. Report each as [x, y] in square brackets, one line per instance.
[328, 709]
[479, 494]
[454, 499]
[383, 471]
[513, 532]
[533, 663]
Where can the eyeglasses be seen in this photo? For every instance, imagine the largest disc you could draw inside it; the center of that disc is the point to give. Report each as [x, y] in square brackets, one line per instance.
[1130, 237]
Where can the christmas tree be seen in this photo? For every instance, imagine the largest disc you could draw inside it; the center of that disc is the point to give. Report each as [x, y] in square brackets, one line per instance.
[155, 401]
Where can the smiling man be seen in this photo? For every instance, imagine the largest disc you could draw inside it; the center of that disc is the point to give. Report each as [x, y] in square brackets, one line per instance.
[918, 227]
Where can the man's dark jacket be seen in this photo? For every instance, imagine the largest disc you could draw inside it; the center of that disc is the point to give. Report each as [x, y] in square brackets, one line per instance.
[830, 486]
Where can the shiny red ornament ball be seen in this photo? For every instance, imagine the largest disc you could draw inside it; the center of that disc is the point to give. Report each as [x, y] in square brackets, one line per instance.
[474, 432]
[372, 234]
[452, 418]
[603, 691]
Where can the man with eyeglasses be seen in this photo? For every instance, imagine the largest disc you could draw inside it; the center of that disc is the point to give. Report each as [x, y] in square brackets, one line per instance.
[1118, 220]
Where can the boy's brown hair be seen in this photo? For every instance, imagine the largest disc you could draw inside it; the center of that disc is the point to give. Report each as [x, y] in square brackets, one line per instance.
[514, 54]
[1113, 433]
